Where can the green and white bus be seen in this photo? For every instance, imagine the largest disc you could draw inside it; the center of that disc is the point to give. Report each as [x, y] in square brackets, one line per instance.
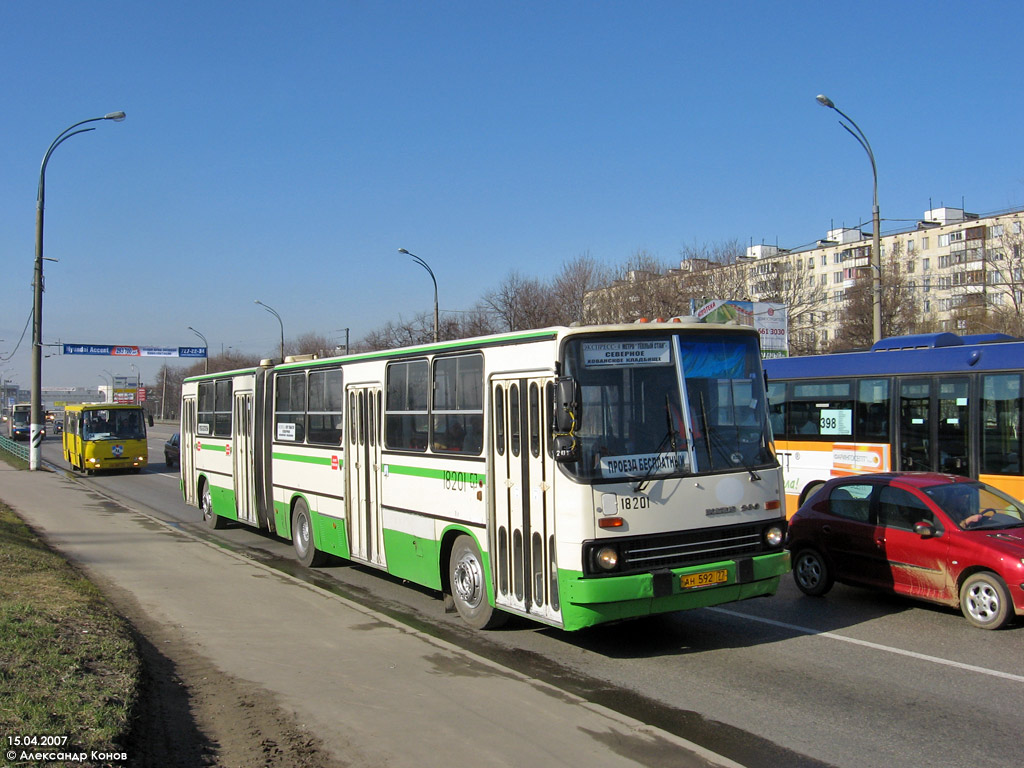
[570, 475]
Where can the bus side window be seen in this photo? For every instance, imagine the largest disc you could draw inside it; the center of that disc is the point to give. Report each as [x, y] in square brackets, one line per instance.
[873, 411]
[777, 407]
[1001, 424]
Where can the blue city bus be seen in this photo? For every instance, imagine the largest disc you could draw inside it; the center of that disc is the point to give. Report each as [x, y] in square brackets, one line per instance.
[927, 402]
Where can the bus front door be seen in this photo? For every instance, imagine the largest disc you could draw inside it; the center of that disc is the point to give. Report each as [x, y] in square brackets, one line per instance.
[933, 425]
[186, 450]
[523, 530]
[362, 465]
[241, 457]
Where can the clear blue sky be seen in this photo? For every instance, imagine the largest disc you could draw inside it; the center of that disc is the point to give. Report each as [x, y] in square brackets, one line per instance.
[285, 151]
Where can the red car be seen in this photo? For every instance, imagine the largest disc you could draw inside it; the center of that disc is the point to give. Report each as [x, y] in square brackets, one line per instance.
[940, 538]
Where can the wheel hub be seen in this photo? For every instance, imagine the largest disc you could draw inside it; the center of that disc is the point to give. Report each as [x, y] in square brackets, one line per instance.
[468, 580]
[982, 602]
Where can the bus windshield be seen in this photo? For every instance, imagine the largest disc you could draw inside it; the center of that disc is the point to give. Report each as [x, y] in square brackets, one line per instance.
[631, 425]
[113, 424]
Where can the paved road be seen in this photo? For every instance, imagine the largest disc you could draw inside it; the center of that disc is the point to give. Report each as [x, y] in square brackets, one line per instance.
[376, 691]
[855, 679]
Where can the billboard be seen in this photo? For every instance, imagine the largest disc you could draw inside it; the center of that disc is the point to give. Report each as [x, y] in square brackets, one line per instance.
[131, 350]
[770, 320]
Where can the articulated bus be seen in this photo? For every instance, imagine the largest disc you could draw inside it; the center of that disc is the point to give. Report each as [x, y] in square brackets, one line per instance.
[929, 402]
[105, 436]
[569, 475]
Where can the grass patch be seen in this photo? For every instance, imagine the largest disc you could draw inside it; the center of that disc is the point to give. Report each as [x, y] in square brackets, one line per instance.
[68, 663]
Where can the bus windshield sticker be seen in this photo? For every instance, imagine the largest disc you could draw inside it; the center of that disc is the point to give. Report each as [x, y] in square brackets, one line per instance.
[626, 353]
[836, 421]
[642, 463]
[286, 431]
[202, 428]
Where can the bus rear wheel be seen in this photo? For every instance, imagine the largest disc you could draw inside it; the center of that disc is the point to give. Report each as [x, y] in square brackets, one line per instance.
[469, 587]
[211, 519]
[302, 537]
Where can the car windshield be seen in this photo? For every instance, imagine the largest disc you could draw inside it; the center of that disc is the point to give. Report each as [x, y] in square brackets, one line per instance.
[673, 405]
[114, 424]
[975, 506]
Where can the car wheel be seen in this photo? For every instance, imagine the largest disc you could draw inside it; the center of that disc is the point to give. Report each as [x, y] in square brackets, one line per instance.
[212, 519]
[302, 537]
[469, 587]
[985, 601]
[811, 573]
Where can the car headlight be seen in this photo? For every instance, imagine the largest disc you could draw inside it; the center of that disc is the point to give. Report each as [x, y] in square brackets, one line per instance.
[606, 558]
[773, 536]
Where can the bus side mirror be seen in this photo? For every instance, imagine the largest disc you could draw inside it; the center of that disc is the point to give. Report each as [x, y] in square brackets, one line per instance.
[565, 406]
[566, 449]
[151, 419]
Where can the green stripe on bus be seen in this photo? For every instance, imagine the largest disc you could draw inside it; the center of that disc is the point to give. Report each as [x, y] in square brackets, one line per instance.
[327, 460]
[217, 448]
[437, 474]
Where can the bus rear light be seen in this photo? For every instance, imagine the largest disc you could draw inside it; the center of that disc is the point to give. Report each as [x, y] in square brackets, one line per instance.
[611, 522]
[773, 504]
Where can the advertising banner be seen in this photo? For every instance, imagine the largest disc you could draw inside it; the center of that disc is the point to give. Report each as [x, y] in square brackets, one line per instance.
[130, 350]
[770, 320]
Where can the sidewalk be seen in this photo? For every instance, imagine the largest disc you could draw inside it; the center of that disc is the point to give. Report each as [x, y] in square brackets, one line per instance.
[378, 693]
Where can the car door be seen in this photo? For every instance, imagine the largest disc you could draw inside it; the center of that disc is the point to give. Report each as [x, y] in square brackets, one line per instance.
[849, 535]
[918, 563]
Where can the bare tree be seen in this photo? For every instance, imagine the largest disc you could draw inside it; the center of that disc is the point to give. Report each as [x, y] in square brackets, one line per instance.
[520, 303]
[901, 304]
[570, 287]
[1003, 280]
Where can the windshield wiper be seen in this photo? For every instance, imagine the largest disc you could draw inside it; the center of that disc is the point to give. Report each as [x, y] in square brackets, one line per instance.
[720, 445]
[669, 438]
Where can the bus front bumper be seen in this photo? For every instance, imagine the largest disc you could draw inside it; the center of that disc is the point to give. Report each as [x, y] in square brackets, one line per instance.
[590, 600]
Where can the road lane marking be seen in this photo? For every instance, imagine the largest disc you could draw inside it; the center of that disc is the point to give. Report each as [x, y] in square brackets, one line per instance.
[875, 646]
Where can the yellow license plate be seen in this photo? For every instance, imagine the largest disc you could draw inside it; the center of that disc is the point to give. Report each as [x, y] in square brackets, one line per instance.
[704, 579]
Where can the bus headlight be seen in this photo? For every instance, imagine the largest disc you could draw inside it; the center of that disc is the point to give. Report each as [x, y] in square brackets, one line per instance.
[606, 558]
[773, 536]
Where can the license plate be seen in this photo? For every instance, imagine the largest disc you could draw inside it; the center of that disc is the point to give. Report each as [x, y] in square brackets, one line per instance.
[705, 579]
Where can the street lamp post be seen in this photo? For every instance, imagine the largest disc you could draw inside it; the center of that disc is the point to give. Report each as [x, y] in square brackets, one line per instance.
[426, 266]
[36, 428]
[206, 367]
[272, 311]
[110, 393]
[876, 242]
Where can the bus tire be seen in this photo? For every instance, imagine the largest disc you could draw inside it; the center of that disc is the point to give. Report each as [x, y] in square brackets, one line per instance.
[469, 586]
[811, 573]
[302, 537]
[211, 519]
[985, 601]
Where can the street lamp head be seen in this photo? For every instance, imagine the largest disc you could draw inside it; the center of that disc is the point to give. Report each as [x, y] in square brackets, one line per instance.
[825, 101]
[117, 117]
[402, 250]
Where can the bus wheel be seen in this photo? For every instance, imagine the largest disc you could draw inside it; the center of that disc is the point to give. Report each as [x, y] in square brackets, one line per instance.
[302, 537]
[211, 519]
[985, 601]
[469, 589]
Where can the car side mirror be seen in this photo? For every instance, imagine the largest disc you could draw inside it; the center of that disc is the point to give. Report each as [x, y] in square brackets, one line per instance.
[924, 529]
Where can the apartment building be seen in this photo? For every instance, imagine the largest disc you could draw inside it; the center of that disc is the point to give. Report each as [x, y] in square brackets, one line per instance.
[951, 271]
